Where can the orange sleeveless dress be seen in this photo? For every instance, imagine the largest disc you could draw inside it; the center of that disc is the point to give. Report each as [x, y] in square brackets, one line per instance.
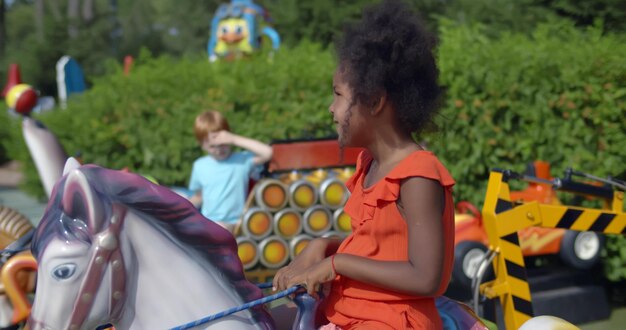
[379, 232]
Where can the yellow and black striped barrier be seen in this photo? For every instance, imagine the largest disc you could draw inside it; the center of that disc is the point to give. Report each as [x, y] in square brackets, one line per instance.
[503, 218]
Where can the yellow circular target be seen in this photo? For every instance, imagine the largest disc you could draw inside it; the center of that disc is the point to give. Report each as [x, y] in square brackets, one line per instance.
[288, 223]
[274, 252]
[317, 220]
[298, 244]
[302, 195]
[248, 252]
[341, 221]
[333, 193]
[271, 195]
[257, 223]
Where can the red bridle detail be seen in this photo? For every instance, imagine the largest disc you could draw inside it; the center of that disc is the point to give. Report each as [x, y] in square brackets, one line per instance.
[106, 251]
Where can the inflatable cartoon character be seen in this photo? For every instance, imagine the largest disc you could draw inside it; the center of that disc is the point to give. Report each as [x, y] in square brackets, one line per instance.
[236, 30]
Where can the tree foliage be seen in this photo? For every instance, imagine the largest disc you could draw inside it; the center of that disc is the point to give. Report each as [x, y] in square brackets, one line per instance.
[3, 28]
[584, 13]
[38, 32]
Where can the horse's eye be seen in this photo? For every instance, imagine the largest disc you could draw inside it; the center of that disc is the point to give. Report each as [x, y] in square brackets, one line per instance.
[63, 272]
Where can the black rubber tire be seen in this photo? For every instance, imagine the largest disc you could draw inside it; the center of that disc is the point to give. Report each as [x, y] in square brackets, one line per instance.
[568, 253]
[461, 251]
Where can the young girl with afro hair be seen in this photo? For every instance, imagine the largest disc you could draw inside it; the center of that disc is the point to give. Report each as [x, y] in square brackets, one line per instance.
[387, 273]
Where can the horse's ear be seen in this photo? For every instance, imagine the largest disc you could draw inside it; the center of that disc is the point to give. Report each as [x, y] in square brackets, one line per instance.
[81, 201]
[70, 164]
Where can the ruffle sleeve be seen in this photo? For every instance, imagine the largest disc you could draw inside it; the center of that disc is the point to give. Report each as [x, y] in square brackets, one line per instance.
[418, 164]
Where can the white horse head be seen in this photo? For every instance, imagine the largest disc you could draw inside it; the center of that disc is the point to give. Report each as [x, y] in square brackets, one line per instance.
[114, 248]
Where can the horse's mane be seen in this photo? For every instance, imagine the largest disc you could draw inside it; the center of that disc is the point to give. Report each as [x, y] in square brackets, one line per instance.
[174, 215]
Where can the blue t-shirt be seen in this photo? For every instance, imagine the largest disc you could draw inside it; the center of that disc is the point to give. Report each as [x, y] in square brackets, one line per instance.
[224, 184]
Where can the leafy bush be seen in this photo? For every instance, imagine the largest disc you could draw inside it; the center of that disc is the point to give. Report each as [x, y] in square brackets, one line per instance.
[558, 95]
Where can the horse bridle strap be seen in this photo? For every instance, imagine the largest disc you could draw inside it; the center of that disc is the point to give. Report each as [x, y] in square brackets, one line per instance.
[106, 252]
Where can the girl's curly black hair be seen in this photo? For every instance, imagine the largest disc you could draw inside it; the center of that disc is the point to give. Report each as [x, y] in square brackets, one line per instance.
[390, 51]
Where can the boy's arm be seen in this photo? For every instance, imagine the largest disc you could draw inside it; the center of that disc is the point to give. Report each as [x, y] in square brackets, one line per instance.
[262, 151]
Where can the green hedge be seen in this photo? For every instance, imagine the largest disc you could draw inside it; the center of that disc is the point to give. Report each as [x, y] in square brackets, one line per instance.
[558, 95]
[144, 121]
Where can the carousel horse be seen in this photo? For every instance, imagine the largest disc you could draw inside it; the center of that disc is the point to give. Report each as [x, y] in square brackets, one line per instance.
[114, 248]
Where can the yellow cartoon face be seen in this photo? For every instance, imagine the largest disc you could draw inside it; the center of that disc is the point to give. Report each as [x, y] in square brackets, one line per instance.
[232, 30]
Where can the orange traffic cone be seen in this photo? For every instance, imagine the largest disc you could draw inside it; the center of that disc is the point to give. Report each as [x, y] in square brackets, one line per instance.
[13, 78]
